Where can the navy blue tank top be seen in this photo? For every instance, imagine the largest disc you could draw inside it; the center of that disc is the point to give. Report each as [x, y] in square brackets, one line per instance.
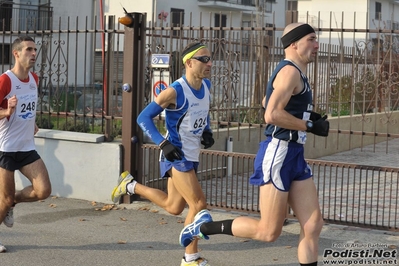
[299, 106]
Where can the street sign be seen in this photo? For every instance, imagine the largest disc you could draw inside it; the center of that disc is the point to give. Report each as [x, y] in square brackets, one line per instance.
[160, 81]
[158, 87]
[160, 60]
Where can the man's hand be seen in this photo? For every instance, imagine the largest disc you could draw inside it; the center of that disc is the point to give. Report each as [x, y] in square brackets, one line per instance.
[314, 116]
[321, 127]
[207, 139]
[12, 103]
[170, 151]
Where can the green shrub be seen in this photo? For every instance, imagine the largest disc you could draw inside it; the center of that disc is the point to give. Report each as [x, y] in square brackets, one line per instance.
[44, 122]
[77, 126]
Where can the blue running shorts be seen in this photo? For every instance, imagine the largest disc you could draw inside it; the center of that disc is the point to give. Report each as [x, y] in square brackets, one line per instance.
[279, 162]
[181, 165]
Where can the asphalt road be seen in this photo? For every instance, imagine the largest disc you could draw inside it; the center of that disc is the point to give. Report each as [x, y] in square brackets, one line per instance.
[63, 232]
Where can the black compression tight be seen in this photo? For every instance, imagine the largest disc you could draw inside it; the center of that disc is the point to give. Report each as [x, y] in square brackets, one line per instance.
[220, 227]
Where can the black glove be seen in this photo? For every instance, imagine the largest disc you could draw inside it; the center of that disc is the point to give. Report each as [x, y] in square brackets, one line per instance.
[170, 151]
[314, 116]
[207, 139]
[320, 127]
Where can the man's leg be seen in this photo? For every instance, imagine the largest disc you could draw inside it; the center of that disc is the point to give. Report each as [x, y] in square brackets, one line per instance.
[272, 211]
[273, 205]
[304, 202]
[40, 189]
[7, 191]
[183, 188]
[187, 185]
[172, 201]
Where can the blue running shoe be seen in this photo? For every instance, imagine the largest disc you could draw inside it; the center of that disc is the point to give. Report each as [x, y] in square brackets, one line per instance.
[192, 230]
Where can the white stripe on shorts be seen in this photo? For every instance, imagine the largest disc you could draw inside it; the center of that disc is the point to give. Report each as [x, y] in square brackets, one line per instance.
[273, 160]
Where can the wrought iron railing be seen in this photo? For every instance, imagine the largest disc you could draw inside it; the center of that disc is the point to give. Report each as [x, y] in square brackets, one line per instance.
[349, 193]
[25, 17]
[266, 5]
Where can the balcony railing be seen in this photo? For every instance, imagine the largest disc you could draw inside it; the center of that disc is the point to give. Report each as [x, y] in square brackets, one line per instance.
[265, 5]
[24, 17]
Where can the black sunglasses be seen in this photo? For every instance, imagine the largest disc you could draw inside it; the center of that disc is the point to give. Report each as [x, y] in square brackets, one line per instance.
[203, 59]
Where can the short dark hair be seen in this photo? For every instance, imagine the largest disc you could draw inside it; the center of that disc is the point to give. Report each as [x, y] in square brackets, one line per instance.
[16, 45]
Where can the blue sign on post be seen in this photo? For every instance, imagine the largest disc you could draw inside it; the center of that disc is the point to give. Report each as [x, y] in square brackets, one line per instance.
[160, 60]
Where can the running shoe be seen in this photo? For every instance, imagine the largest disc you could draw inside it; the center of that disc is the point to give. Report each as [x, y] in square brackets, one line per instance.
[9, 219]
[120, 190]
[192, 230]
[197, 262]
[2, 248]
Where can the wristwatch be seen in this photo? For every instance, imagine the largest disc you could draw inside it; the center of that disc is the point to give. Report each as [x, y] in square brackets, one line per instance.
[309, 125]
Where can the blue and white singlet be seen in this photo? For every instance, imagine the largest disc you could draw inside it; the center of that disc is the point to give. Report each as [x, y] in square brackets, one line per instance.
[186, 123]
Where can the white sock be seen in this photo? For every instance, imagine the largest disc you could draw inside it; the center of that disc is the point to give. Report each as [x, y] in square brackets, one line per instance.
[191, 257]
[130, 187]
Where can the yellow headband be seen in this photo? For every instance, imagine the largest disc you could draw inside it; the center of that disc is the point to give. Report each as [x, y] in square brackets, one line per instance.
[191, 54]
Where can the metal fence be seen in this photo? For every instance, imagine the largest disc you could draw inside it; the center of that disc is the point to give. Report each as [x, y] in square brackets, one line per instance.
[360, 195]
[80, 67]
[350, 194]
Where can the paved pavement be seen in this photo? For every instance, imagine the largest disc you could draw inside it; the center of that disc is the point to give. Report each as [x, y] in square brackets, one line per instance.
[63, 232]
[384, 154]
[359, 195]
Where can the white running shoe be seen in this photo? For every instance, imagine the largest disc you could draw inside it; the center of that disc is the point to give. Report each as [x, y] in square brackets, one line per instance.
[197, 262]
[9, 219]
[2, 248]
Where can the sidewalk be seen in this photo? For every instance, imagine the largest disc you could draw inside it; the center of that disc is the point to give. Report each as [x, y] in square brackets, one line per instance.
[384, 154]
[63, 232]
